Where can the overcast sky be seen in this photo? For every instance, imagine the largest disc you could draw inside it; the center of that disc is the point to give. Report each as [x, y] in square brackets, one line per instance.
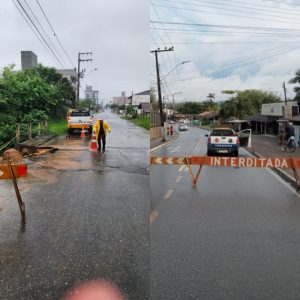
[225, 57]
[116, 31]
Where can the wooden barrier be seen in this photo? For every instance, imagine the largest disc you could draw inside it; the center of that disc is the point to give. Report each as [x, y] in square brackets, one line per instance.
[237, 162]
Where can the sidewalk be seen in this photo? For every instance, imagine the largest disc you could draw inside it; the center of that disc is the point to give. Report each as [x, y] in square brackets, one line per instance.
[157, 143]
[268, 146]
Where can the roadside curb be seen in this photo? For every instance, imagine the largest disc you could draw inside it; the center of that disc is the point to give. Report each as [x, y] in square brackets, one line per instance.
[165, 144]
[285, 176]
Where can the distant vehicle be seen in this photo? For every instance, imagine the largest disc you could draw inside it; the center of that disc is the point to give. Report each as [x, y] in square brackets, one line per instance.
[223, 141]
[182, 127]
[78, 119]
[183, 121]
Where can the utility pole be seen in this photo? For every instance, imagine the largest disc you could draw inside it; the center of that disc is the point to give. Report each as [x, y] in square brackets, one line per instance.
[284, 89]
[159, 83]
[79, 72]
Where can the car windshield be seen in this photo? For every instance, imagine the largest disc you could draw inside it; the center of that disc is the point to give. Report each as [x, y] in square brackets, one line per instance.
[80, 114]
[222, 132]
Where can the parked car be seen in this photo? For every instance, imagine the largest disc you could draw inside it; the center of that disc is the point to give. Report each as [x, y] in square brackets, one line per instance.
[223, 141]
[183, 127]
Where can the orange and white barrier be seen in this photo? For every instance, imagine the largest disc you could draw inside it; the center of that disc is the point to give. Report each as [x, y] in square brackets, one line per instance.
[217, 161]
[237, 162]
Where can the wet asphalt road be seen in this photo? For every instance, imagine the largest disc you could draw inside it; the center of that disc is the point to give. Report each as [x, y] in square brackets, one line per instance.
[87, 218]
[236, 236]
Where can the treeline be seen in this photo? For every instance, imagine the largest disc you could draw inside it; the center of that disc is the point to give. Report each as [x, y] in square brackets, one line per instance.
[30, 96]
[239, 104]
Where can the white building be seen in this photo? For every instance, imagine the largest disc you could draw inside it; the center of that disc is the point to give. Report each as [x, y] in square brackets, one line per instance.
[137, 99]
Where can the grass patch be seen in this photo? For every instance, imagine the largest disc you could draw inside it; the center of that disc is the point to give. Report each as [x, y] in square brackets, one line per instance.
[58, 126]
[143, 122]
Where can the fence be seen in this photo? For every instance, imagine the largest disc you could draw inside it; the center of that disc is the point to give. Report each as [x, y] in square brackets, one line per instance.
[25, 132]
[155, 119]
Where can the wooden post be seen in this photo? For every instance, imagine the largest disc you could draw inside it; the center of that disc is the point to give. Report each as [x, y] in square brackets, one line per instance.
[20, 202]
[30, 131]
[39, 128]
[18, 134]
[266, 128]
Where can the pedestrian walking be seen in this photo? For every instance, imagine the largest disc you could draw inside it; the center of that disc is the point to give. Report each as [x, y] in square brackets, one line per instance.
[171, 130]
[101, 129]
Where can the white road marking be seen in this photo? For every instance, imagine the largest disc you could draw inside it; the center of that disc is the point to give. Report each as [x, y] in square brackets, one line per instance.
[181, 168]
[153, 216]
[186, 169]
[177, 149]
[168, 194]
[178, 178]
[286, 184]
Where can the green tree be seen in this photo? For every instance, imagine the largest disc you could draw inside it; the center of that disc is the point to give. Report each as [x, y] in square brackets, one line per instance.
[86, 104]
[130, 110]
[190, 108]
[296, 80]
[211, 97]
[244, 103]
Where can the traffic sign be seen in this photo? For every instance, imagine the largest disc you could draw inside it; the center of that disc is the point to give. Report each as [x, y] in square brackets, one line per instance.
[236, 162]
[220, 161]
[20, 170]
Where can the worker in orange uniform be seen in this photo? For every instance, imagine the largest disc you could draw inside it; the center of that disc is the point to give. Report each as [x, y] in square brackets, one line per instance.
[101, 129]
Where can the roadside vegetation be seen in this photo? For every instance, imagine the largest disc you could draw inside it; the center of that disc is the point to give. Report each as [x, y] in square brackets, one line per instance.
[130, 114]
[57, 126]
[140, 121]
[32, 96]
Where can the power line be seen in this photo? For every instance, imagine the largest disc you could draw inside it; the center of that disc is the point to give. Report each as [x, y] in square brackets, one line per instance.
[20, 4]
[227, 26]
[205, 32]
[67, 55]
[236, 65]
[49, 39]
[224, 14]
[231, 9]
[232, 43]
[32, 28]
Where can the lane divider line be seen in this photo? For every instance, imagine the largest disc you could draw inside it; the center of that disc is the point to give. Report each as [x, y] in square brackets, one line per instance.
[168, 194]
[181, 168]
[178, 178]
[153, 216]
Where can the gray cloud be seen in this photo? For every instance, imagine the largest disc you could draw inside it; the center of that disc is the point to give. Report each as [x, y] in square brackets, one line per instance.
[115, 31]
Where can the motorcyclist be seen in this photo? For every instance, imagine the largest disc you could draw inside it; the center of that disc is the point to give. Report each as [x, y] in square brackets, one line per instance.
[289, 131]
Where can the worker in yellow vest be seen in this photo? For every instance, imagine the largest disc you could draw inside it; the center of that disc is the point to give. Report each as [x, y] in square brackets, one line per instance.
[101, 129]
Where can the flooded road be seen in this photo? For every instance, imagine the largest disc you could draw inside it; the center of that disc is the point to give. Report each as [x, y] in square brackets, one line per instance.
[87, 217]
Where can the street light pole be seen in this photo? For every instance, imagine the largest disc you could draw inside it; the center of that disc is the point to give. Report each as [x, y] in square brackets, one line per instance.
[182, 63]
